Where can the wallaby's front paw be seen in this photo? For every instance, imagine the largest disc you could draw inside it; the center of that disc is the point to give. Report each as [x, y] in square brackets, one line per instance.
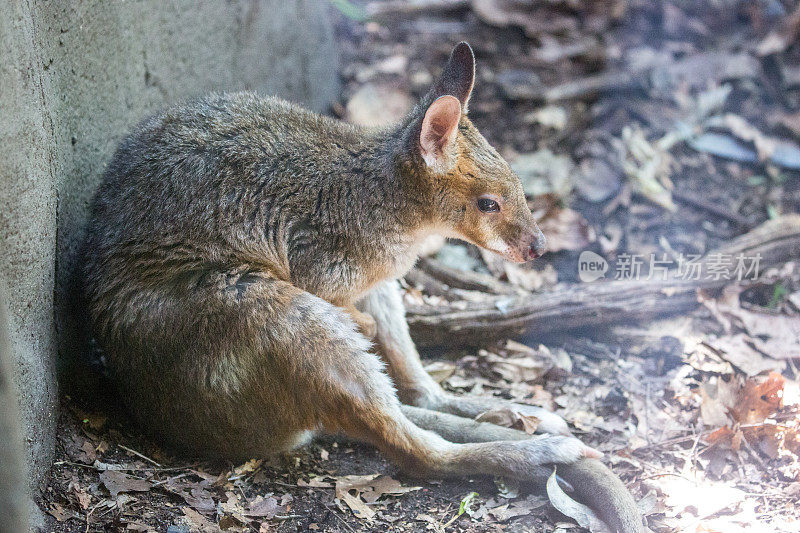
[367, 326]
[561, 449]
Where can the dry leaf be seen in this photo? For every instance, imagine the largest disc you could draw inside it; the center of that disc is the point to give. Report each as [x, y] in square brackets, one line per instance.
[543, 173]
[549, 116]
[316, 482]
[687, 499]
[750, 405]
[79, 494]
[648, 166]
[358, 491]
[566, 229]
[776, 335]
[262, 507]
[520, 363]
[765, 437]
[357, 484]
[713, 412]
[738, 350]
[117, 482]
[504, 13]
[510, 417]
[582, 514]
[791, 440]
[528, 278]
[193, 493]
[230, 512]
[357, 505]
[722, 436]
[440, 370]
[759, 400]
[377, 105]
[779, 39]
[250, 466]
[385, 485]
[517, 508]
[198, 522]
[58, 512]
[719, 397]
[136, 526]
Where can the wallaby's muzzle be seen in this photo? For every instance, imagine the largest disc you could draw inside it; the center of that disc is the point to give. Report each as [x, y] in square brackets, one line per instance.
[537, 246]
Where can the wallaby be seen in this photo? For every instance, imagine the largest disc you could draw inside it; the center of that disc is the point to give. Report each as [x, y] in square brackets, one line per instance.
[241, 266]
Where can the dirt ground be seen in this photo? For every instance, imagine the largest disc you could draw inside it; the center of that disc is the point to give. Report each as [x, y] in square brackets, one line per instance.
[637, 128]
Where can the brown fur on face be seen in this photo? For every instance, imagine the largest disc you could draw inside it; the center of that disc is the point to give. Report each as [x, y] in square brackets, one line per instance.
[457, 169]
[480, 172]
[460, 170]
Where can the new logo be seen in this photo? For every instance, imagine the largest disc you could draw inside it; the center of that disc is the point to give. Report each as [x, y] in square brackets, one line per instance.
[591, 266]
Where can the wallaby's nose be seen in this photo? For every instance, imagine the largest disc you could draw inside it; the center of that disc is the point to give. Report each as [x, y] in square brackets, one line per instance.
[537, 247]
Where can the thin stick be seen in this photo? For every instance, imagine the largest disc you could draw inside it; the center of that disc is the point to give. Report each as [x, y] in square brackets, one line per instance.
[126, 469]
[721, 212]
[348, 526]
[692, 454]
[141, 455]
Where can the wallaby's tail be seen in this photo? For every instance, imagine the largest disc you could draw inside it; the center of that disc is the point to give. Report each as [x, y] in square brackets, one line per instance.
[598, 487]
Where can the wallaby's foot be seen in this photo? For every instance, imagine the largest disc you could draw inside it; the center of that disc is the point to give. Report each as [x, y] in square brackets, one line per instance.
[474, 406]
[560, 449]
[563, 449]
[521, 459]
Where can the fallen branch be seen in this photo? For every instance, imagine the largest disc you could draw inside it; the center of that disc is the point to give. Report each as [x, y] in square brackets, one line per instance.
[595, 304]
[591, 86]
[459, 279]
[405, 8]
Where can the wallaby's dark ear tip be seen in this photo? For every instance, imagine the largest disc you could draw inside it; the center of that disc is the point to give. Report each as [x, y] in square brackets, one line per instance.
[463, 52]
[458, 75]
[463, 59]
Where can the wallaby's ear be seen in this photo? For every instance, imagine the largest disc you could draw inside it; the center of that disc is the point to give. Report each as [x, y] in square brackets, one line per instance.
[443, 106]
[439, 129]
[458, 75]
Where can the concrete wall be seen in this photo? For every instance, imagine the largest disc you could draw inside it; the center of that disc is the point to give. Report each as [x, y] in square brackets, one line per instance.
[74, 76]
[13, 500]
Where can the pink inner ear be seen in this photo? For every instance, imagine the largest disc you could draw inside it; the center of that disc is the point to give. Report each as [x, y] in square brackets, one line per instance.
[439, 127]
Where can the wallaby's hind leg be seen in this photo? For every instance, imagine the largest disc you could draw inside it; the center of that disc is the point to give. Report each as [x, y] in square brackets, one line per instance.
[312, 353]
[247, 365]
[415, 386]
[458, 429]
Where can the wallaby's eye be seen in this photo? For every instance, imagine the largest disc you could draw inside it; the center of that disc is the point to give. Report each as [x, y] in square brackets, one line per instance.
[487, 205]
